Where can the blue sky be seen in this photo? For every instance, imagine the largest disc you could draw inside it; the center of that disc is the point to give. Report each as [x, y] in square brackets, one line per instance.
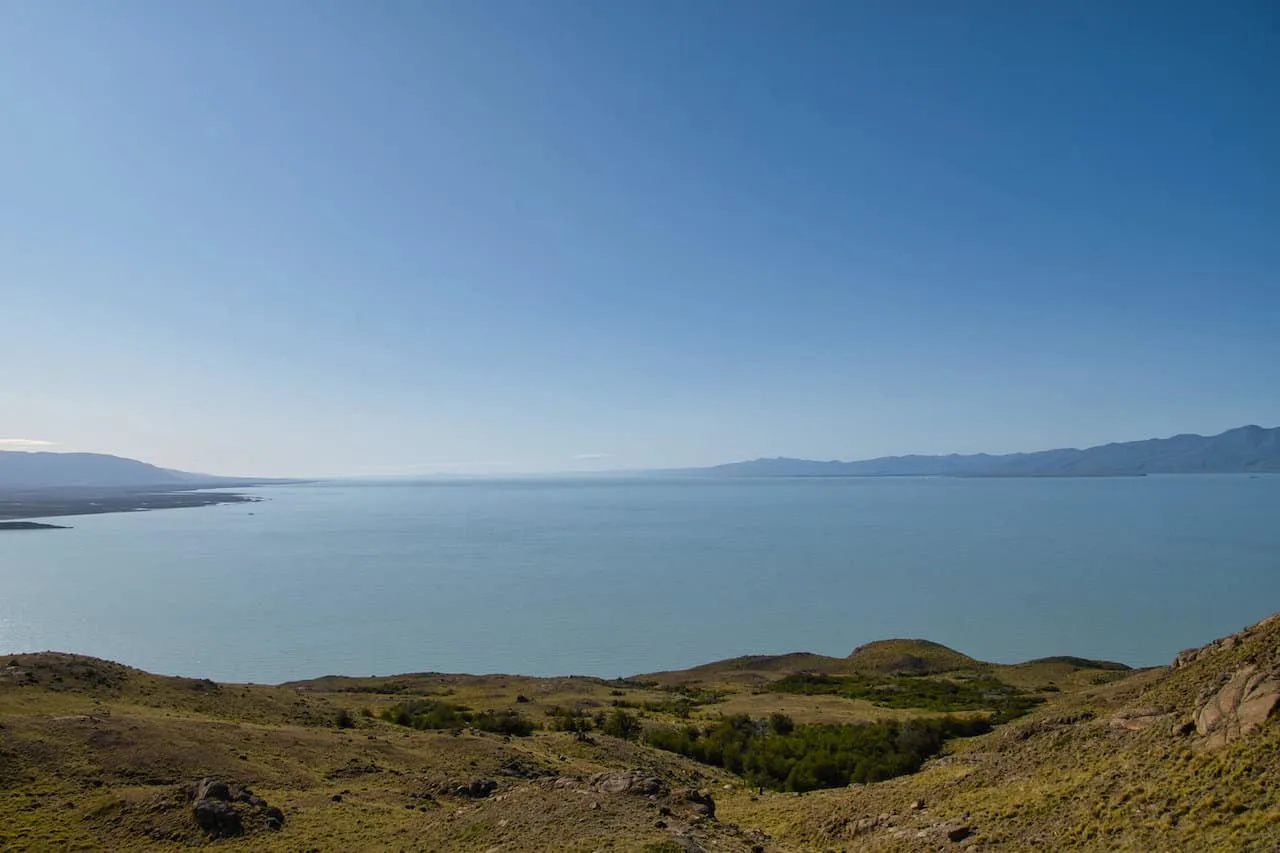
[401, 237]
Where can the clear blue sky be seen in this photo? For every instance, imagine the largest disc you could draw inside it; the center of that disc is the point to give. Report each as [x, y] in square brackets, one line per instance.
[353, 238]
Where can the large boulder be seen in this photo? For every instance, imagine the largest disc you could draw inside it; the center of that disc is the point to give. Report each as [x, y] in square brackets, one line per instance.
[703, 804]
[209, 789]
[217, 817]
[1238, 707]
[222, 809]
[476, 788]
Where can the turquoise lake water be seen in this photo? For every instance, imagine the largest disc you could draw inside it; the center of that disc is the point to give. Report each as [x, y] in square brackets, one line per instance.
[616, 577]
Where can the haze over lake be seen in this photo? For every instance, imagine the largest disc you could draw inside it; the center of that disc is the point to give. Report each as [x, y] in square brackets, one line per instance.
[612, 577]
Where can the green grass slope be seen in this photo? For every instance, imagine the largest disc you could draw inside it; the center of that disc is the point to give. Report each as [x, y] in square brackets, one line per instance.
[95, 755]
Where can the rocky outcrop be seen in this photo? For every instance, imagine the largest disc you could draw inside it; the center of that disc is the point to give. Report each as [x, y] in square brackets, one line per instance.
[1138, 719]
[1050, 724]
[222, 810]
[522, 767]
[1186, 657]
[1244, 687]
[475, 789]
[1238, 707]
[703, 804]
[626, 782]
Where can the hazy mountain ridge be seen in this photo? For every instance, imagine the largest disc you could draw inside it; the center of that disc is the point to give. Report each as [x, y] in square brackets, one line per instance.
[1248, 449]
[21, 469]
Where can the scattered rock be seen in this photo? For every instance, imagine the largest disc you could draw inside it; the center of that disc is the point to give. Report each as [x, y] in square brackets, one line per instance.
[917, 805]
[354, 768]
[476, 788]
[957, 833]
[337, 798]
[472, 788]
[1051, 724]
[688, 843]
[523, 768]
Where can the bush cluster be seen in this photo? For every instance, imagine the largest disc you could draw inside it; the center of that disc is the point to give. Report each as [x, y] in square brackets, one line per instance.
[435, 714]
[783, 756]
[616, 723]
[680, 702]
[929, 694]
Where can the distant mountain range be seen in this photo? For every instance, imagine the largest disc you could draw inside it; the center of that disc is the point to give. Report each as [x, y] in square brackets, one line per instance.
[41, 470]
[1249, 449]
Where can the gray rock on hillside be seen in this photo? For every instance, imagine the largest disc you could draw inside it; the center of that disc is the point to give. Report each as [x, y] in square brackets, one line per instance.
[217, 817]
[626, 782]
[221, 809]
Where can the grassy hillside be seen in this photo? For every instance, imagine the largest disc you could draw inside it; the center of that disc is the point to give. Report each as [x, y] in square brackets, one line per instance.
[919, 657]
[96, 755]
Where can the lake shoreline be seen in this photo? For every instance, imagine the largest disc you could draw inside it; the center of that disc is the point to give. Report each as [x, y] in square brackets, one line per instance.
[30, 525]
[60, 503]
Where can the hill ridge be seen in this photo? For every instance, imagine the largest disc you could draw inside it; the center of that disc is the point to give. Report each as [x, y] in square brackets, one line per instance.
[1246, 449]
[43, 469]
[99, 755]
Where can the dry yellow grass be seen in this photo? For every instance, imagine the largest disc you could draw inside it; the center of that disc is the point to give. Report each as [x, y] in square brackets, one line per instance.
[93, 754]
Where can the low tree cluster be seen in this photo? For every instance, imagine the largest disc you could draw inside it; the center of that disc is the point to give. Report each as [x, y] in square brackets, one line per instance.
[1004, 701]
[783, 756]
[435, 714]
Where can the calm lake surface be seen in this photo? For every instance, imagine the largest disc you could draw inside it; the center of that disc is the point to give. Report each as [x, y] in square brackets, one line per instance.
[615, 577]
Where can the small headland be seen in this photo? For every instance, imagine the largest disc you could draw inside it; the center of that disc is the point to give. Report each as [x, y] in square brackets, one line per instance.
[30, 525]
[57, 502]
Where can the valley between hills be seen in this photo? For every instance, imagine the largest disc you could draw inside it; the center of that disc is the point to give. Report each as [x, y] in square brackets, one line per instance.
[902, 745]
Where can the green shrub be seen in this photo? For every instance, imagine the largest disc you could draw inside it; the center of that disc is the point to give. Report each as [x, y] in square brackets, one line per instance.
[781, 724]
[572, 720]
[503, 723]
[618, 723]
[929, 694]
[815, 756]
[434, 714]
